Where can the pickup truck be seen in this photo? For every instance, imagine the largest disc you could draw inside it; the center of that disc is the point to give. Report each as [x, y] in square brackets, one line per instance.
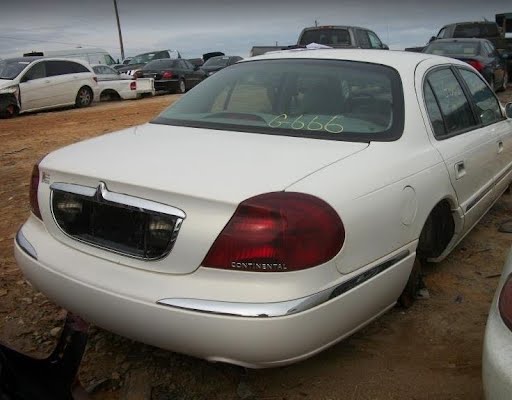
[341, 37]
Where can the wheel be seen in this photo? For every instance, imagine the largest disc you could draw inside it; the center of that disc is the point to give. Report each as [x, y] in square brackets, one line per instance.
[10, 111]
[182, 88]
[414, 284]
[84, 97]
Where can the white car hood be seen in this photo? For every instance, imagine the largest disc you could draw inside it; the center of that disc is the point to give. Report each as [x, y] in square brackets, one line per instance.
[7, 82]
[209, 164]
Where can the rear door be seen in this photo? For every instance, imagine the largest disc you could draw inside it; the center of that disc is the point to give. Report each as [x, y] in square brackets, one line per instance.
[60, 75]
[467, 147]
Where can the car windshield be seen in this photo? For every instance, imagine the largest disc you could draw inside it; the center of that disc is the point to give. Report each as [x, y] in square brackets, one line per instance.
[469, 49]
[324, 99]
[159, 64]
[217, 62]
[330, 37]
[10, 69]
[476, 31]
[142, 58]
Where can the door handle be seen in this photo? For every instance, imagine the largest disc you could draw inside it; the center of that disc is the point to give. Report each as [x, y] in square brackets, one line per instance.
[460, 170]
[500, 146]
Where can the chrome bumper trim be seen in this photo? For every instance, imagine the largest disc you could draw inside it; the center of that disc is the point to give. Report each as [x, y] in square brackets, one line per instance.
[26, 245]
[283, 308]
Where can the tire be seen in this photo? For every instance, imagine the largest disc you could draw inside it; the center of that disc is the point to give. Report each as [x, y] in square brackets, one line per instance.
[10, 111]
[182, 87]
[414, 284]
[84, 97]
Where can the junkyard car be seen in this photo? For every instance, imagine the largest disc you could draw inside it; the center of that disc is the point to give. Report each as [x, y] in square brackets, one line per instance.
[34, 83]
[114, 85]
[275, 209]
[497, 358]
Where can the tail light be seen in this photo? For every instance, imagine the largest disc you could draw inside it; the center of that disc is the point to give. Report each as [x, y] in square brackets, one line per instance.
[133, 85]
[279, 231]
[34, 186]
[505, 302]
[167, 75]
[95, 79]
[479, 66]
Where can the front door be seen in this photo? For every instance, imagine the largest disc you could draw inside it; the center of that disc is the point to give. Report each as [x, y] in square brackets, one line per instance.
[34, 88]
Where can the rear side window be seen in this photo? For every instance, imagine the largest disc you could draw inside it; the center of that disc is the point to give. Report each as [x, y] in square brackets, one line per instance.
[486, 103]
[451, 100]
[160, 64]
[324, 99]
[55, 68]
[436, 118]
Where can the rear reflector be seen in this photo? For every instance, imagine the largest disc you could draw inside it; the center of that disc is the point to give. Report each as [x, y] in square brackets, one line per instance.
[278, 232]
[479, 66]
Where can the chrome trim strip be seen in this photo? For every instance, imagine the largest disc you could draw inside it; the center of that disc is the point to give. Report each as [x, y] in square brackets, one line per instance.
[26, 245]
[475, 201]
[280, 309]
[503, 174]
[102, 192]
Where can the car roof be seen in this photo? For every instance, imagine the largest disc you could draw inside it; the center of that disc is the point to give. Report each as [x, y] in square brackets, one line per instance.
[392, 58]
[474, 40]
[471, 22]
[333, 27]
[23, 59]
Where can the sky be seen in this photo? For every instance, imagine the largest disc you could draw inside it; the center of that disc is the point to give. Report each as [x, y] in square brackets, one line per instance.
[232, 26]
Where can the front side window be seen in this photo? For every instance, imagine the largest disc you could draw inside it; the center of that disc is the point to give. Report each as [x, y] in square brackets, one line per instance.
[375, 42]
[38, 71]
[325, 99]
[486, 103]
[476, 30]
[362, 38]
[452, 101]
[441, 33]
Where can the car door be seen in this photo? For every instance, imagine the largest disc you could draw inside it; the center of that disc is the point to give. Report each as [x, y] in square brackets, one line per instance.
[197, 74]
[467, 148]
[35, 92]
[61, 82]
[491, 116]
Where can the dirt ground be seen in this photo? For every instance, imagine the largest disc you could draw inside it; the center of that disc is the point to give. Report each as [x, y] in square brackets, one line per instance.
[430, 351]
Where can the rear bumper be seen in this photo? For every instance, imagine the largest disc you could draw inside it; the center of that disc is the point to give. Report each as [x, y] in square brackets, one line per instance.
[106, 299]
[167, 84]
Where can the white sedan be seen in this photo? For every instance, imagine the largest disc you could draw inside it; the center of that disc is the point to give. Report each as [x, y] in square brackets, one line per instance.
[275, 209]
[497, 358]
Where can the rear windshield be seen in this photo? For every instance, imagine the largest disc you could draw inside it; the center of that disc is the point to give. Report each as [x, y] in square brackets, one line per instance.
[159, 64]
[476, 31]
[10, 69]
[324, 99]
[454, 48]
[217, 62]
[330, 37]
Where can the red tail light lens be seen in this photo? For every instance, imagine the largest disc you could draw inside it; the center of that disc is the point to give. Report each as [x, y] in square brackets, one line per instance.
[95, 79]
[34, 186]
[276, 232]
[505, 303]
[476, 65]
[133, 85]
[167, 75]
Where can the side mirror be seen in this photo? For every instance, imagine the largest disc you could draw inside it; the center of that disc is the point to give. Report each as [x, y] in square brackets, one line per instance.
[432, 39]
[385, 46]
[508, 110]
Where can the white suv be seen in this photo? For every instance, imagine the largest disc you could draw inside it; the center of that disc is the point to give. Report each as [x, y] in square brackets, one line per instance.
[32, 83]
